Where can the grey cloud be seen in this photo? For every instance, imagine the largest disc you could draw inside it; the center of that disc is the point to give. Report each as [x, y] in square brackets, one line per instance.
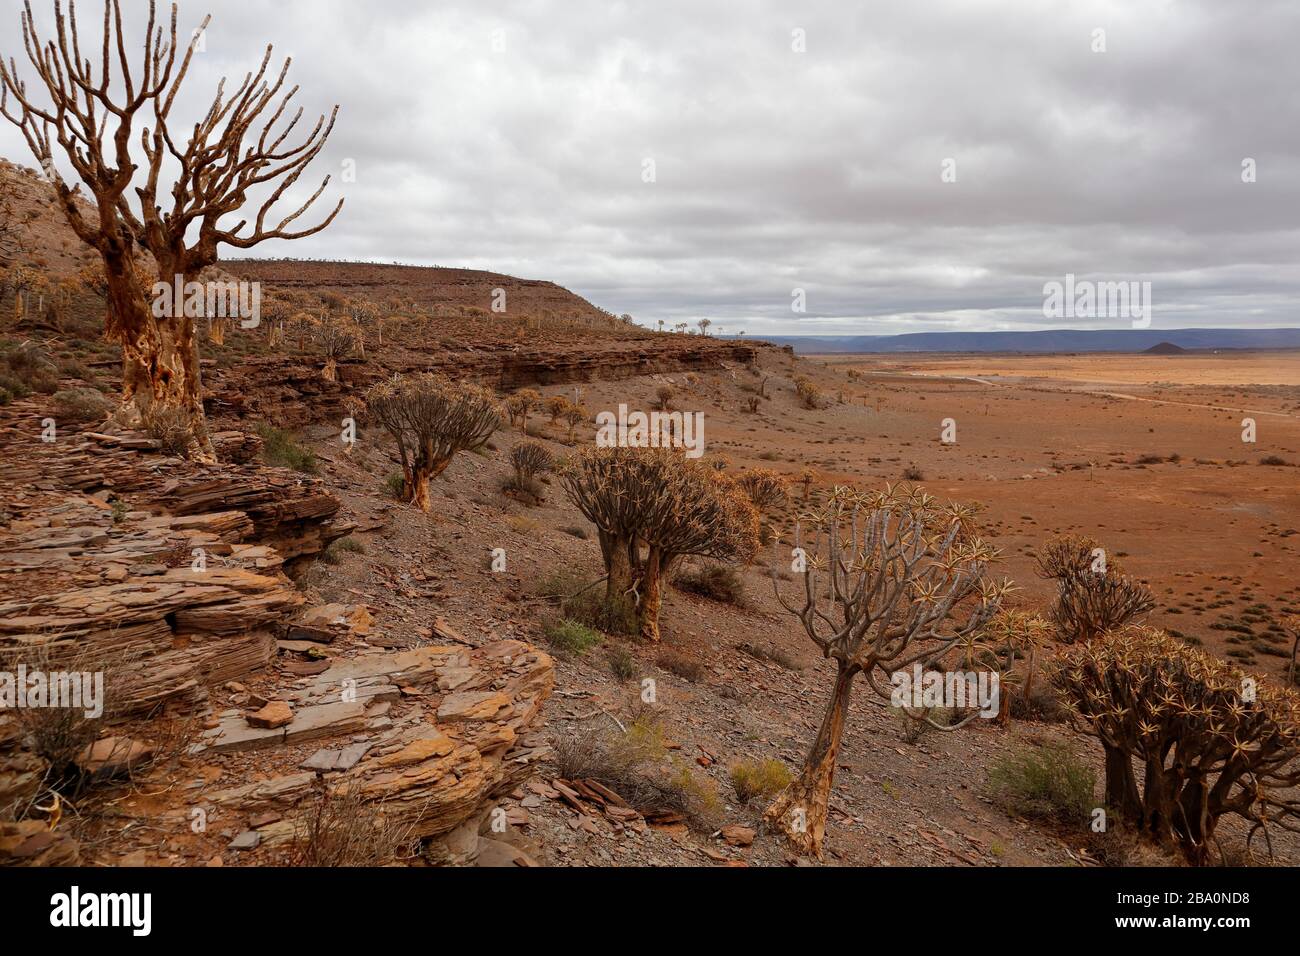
[819, 170]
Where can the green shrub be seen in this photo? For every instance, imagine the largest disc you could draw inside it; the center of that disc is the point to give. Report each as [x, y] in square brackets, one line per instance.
[571, 637]
[623, 665]
[1047, 780]
[758, 778]
[583, 600]
[395, 484]
[281, 449]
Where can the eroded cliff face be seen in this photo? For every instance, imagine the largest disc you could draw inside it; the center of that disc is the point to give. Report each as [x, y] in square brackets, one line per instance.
[294, 392]
[171, 578]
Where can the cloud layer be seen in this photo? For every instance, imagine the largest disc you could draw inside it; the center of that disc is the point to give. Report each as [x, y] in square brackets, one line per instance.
[515, 136]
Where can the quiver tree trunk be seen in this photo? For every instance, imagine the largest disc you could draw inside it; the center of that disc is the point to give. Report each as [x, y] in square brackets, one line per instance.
[651, 595]
[800, 809]
[1122, 795]
[416, 477]
[618, 567]
[160, 362]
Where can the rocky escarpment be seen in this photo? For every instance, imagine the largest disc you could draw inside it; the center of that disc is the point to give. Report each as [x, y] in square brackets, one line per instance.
[293, 392]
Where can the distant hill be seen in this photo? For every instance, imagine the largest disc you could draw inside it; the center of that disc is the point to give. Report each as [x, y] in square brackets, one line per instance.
[53, 250]
[1165, 348]
[1049, 340]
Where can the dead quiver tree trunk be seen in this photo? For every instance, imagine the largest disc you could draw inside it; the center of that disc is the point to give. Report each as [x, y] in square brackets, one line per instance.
[651, 507]
[432, 418]
[98, 123]
[891, 580]
[1209, 739]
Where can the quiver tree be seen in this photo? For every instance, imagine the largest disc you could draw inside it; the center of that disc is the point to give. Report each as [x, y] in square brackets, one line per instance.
[651, 507]
[337, 338]
[529, 459]
[1208, 740]
[521, 404]
[431, 418]
[806, 478]
[10, 238]
[763, 487]
[574, 415]
[1091, 604]
[892, 581]
[1011, 643]
[1094, 595]
[116, 133]
[556, 406]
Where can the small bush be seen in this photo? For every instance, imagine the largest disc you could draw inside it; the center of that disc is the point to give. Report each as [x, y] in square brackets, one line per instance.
[808, 393]
[717, 582]
[333, 554]
[522, 524]
[170, 427]
[81, 405]
[1273, 461]
[341, 829]
[582, 599]
[623, 665]
[571, 637]
[395, 485]
[912, 473]
[1044, 781]
[28, 368]
[770, 655]
[280, 449]
[575, 531]
[758, 778]
[636, 766]
[687, 668]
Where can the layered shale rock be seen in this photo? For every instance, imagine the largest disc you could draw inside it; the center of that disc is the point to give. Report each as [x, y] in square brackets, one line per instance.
[172, 579]
[464, 737]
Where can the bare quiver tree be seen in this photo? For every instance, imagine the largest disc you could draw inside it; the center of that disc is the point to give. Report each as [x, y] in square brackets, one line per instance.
[652, 506]
[1209, 740]
[115, 132]
[432, 418]
[891, 581]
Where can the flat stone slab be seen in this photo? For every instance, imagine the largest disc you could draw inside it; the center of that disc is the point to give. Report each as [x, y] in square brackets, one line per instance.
[336, 760]
[233, 734]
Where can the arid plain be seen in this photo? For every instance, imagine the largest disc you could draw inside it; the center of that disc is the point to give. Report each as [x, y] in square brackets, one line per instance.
[1145, 453]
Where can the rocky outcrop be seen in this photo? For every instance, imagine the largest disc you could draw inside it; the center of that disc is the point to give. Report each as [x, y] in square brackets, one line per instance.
[451, 728]
[295, 393]
[276, 508]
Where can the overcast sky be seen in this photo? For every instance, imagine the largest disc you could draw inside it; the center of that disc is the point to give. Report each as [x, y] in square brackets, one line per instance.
[516, 137]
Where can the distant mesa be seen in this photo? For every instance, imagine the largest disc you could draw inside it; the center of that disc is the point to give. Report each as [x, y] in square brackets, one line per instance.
[1166, 348]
